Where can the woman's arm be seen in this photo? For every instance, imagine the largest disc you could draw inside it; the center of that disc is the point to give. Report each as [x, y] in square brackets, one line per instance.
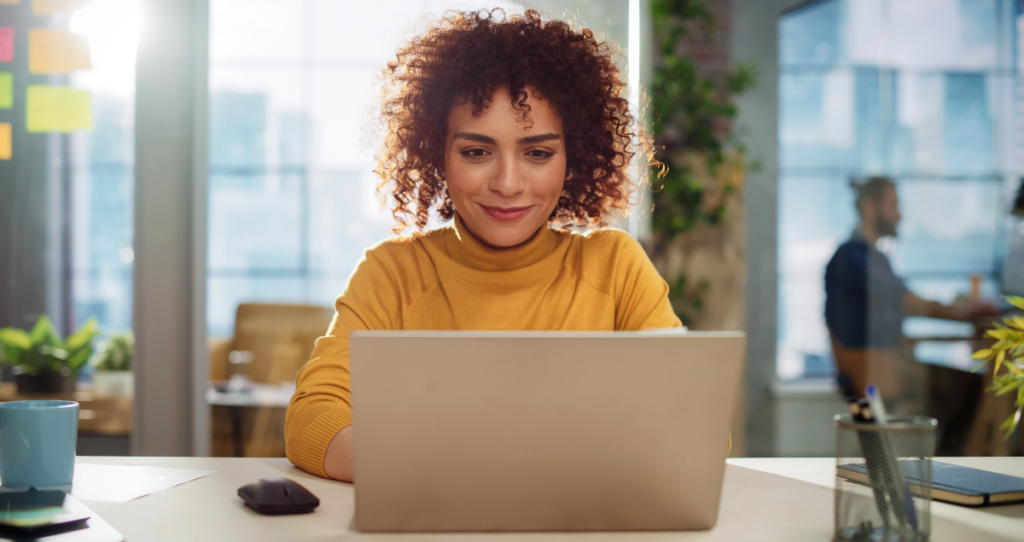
[338, 459]
[321, 409]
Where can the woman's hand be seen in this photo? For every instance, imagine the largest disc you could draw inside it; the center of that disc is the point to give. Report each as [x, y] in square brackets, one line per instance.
[338, 459]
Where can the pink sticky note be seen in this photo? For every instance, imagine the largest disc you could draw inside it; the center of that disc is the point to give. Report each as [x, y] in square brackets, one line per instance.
[6, 44]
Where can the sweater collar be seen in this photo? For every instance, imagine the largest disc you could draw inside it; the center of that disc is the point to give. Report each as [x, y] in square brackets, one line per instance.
[464, 248]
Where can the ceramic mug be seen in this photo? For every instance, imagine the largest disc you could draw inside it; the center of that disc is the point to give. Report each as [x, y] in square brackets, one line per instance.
[37, 443]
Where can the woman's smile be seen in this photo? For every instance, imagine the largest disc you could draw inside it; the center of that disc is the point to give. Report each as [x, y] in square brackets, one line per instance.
[506, 214]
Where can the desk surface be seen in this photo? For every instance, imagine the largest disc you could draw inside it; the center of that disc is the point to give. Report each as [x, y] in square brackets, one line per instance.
[763, 499]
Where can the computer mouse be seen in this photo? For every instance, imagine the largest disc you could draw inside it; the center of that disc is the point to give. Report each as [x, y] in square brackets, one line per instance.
[276, 496]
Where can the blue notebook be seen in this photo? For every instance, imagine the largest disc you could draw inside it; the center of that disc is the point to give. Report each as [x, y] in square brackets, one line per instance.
[952, 483]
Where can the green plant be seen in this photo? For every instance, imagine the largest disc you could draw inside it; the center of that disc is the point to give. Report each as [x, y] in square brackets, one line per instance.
[691, 116]
[42, 348]
[686, 300]
[691, 112]
[1008, 353]
[115, 354]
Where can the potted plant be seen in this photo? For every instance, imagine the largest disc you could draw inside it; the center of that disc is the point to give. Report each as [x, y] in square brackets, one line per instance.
[41, 361]
[1007, 353]
[113, 363]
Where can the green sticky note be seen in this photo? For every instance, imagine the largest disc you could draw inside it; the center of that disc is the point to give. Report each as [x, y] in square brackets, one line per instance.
[6, 90]
[57, 109]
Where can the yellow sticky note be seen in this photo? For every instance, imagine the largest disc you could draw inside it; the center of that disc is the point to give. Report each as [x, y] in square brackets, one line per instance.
[57, 109]
[6, 90]
[57, 51]
[47, 7]
[5, 141]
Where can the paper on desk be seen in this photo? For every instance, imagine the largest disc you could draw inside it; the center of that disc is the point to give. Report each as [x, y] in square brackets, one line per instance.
[117, 483]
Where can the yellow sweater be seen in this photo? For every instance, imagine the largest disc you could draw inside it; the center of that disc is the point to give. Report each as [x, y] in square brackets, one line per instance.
[448, 279]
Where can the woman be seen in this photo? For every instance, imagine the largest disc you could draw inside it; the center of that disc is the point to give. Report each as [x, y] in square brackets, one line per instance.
[510, 127]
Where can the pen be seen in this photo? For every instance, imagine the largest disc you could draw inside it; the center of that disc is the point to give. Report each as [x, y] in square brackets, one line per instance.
[900, 496]
[861, 412]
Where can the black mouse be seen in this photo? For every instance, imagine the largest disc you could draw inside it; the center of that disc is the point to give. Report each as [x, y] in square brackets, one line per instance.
[278, 496]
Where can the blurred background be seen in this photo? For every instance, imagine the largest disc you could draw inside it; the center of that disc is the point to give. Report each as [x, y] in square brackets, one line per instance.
[216, 190]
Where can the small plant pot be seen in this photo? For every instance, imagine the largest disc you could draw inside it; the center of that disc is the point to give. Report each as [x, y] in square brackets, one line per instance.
[45, 382]
[113, 383]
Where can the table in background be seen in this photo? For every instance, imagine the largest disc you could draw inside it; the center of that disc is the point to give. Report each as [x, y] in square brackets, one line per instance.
[270, 401]
[786, 500]
[104, 423]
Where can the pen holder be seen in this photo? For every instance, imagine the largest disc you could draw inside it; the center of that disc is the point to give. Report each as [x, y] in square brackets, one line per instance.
[883, 473]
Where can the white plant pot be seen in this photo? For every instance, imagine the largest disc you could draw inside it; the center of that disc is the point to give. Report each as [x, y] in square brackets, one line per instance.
[113, 383]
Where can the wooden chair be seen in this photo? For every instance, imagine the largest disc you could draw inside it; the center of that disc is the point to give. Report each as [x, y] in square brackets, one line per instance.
[281, 339]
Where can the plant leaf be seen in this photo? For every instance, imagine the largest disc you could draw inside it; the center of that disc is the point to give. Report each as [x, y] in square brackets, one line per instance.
[1014, 368]
[13, 343]
[44, 333]
[984, 353]
[1011, 423]
[85, 334]
[1012, 386]
[1016, 301]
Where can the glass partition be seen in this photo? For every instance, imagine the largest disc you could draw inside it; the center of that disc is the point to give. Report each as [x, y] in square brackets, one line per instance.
[920, 92]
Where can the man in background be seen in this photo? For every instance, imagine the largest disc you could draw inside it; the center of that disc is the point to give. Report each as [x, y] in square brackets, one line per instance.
[865, 305]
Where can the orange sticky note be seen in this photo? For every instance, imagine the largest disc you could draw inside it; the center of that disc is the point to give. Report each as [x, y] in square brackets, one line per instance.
[48, 7]
[57, 51]
[5, 141]
[57, 109]
[6, 43]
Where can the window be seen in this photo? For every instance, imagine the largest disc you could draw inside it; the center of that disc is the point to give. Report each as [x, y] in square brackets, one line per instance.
[292, 193]
[67, 212]
[921, 91]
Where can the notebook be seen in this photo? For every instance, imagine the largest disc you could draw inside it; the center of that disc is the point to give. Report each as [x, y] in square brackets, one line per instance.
[952, 483]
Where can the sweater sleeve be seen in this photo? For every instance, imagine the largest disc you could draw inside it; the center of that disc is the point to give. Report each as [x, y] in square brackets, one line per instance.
[641, 295]
[322, 404]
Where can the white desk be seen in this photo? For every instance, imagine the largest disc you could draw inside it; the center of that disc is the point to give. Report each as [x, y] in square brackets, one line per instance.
[786, 500]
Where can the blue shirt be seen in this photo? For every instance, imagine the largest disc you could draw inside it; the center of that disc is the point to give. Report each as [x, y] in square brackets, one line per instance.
[863, 297]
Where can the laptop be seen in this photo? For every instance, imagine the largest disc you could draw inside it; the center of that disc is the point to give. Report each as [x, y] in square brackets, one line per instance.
[541, 431]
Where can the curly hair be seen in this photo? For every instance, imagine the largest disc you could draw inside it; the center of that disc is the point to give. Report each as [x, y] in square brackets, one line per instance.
[466, 57]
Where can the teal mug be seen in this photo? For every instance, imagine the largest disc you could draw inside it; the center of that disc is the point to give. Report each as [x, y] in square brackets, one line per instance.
[37, 443]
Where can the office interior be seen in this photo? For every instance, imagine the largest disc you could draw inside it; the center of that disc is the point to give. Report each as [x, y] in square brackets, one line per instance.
[203, 189]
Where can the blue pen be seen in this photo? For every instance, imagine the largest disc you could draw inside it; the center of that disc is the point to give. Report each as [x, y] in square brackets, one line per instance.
[903, 499]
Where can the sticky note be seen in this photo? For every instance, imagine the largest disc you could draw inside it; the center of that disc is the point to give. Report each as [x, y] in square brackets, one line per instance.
[57, 109]
[5, 141]
[6, 43]
[12, 2]
[6, 90]
[57, 51]
[47, 7]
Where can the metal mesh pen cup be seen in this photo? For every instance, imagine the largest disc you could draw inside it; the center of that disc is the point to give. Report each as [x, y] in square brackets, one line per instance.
[883, 473]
